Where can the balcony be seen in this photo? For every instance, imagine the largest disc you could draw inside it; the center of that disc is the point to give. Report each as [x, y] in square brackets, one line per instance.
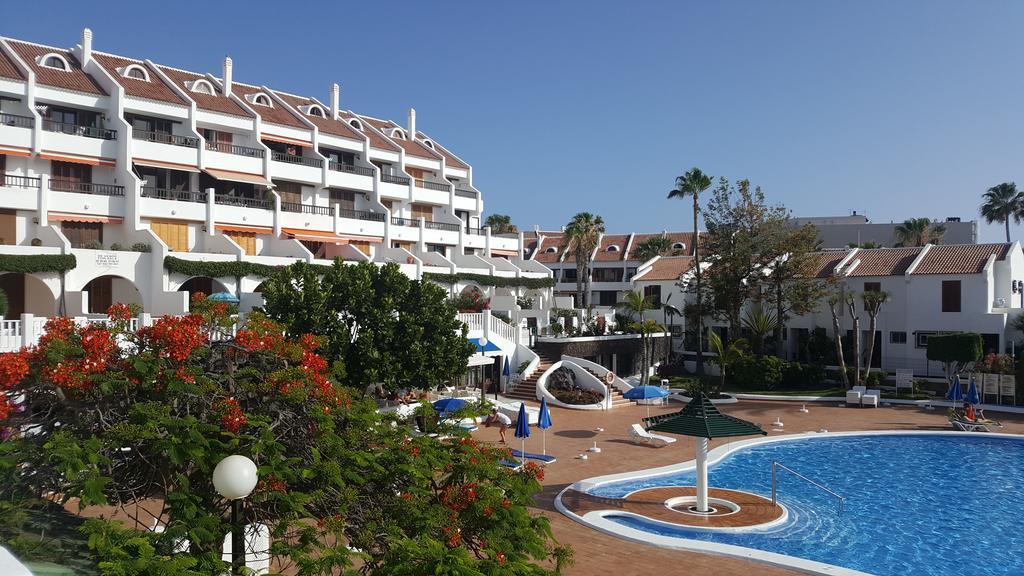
[243, 202]
[79, 130]
[165, 138]
[86, 188]
[442, 187]
[300, 160]
[16, 121]
[395, 221]
[393, 179]
[168, 194]
[350, 168]
[474, 231]
[441, 226]
[307, 209]
[12, 181]
[233, 149]
[362, 215]
[465, 193]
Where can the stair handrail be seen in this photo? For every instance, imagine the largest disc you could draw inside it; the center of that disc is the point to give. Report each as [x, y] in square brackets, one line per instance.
[620, 384]
[775, 465]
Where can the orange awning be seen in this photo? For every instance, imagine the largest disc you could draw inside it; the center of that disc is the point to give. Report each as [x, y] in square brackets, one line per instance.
[284, 140]
[11, 151]
[92, 161]
[162, 164]
[346, 238]
[245, 229]
[67, 217]
[239, 177]
[504, 252]
[312, 235]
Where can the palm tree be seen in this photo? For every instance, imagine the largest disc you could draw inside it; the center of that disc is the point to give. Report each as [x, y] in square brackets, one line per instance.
[500, 224]
[669, 313]
[918, 232]
[760, 321]
[873, 300]
[692, 184]
[653, 246]
[635, 304]
[583, 235]
[726, 354]
[1003, 202]
[836, 300]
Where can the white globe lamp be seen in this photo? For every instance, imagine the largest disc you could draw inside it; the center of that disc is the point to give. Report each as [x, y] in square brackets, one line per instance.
[235, 477]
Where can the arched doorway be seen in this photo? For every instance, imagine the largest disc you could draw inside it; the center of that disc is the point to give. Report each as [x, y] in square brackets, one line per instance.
[27, 294]
[203, 284]
[105, 291]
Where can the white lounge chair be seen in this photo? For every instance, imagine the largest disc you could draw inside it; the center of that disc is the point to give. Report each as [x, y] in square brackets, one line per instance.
[871, 398]
[854, 394]
[637, 431]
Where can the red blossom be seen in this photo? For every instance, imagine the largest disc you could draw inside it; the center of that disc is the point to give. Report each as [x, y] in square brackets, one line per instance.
[119, 311]
[232, 418]
[176, 337]
[14, 367]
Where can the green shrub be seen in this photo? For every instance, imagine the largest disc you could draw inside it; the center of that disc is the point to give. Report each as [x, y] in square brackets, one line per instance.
[35, 263]
[141, 247]
[756, 372]
[798, 376]
[115, 247]
[93, 245]
[3, 303]
[875, 379]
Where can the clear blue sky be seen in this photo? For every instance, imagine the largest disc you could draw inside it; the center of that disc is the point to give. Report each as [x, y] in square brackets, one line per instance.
[893, 109]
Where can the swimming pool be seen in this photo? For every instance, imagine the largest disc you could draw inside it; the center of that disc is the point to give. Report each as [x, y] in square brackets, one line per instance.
[928, 504]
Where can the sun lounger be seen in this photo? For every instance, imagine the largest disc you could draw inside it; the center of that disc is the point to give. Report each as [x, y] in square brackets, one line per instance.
[511, 464]
[980, 425]
[637, 431]
[854, 394]
[871, 398]
[532, 456]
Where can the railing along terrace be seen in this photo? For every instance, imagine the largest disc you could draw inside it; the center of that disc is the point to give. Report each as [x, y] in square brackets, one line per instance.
[465, 193]
[86, 188]
[391, 178]
[442, 226]
[233, 149]
[396, 221]
[170, 194]
[351, 168]
[361, 215]
[17, 121]
[472, 320]
[474, 231]
[79, 130]
[301, 160]
[503, 329]
[243, 202]
[165, 138]
[14, 181]
[433, 185]
[306, 208]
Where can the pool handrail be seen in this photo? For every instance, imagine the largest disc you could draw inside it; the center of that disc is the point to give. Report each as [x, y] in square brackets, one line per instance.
[775, 465]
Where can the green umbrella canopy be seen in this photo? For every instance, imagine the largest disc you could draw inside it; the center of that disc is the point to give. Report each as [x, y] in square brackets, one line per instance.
[701, 419]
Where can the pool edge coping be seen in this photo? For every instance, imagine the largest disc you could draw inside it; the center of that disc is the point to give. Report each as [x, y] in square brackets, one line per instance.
[596, 520]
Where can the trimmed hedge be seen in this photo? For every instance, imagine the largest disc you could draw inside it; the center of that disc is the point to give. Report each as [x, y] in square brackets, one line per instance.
[485, 280]
[957, 347]
[233, 269]
[34, 263]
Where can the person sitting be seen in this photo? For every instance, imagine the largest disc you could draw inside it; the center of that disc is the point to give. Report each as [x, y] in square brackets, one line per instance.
[969, 412]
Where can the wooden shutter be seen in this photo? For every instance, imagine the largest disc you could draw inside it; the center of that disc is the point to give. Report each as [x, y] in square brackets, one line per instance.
[343, 199]
[424, 211]
[174, 234]
[101, 294]
[417, 174]
[82, 233]
[247, 240]
[951, 296]
[289, 191]
[363, 247]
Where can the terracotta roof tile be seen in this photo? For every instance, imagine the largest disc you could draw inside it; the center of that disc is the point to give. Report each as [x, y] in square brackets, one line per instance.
[883, 261]
[8, 69]
[74, 79]
[552, 241]
[275, 114]
[607, 240]
[449, 159]
[823, 264]
[668, 268]
[155, 89]
[376, 140]
[411, 147]
[960, 258]
[685, 237]
[326, 125]
[216, 102]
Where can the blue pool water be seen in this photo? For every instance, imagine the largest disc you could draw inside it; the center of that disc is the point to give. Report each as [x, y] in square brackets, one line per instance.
[935, 505]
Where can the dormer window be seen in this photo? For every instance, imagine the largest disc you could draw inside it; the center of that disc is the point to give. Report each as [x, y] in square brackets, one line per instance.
[315, 110]
[398, 133]
[428, 144]
[55, 61]
[356, 124]
[202, 87]
[260, 99]
[135, 72]
[612, 248]
[551, 250]
[678, 246]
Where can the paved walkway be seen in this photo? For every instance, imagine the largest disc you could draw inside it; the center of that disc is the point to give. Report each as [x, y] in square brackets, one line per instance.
[575, 430]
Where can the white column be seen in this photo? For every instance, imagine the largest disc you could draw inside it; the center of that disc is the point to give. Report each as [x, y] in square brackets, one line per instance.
[28, 330]
[702, 474]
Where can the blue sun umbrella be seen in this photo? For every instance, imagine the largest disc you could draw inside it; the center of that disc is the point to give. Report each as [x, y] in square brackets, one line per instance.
[955, 394]
[506, 371]
[972, 394]
[645, 393]
[544, 422]
[448, 405]
[224, 297]
[523, 427]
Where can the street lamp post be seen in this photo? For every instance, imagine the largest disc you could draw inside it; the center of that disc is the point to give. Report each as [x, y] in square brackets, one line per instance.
[234, 478]
[483, 350]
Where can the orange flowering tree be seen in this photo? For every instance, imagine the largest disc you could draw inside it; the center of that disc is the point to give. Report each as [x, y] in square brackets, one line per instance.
[100, 416]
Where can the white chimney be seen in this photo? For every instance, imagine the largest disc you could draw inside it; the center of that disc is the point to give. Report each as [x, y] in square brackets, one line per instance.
[86, 46]
[412, 123]
[227, 75]
[335, 100]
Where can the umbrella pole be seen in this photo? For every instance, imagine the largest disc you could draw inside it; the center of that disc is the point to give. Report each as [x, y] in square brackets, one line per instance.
[702, 474]
[523, 452]
[544, 439]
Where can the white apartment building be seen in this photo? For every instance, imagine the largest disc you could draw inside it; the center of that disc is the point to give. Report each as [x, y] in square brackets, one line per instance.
[932, 289]
[129, 165]
[856, 229]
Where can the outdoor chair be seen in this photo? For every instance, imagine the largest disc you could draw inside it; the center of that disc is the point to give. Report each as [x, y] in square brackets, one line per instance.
[854, 394]
[871, 398]
[637, 431]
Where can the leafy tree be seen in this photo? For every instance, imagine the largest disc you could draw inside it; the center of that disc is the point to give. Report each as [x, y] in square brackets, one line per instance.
[865, 245]
[955, 351]
[645, 328]
[582, 235]
[694, 183]
[669, 313]
[1003, 202]
[837, 299]
[660, 245]
[138, 420]
[379, 326]
[727, 354]
[3, 303]
[873, 301]
[500, 224]
[918, 232]
[793, 286]
[635, 304]
[760, 321]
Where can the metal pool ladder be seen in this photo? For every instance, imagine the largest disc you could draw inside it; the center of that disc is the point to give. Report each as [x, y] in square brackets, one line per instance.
[776, 465]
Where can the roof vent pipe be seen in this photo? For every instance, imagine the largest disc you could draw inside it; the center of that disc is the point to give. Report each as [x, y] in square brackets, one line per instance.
[227, 75]
[86, 46]
[412, 124]
[335, 100]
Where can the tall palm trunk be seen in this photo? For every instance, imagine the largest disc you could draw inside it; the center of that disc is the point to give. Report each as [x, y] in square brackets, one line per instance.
[1007, 222]
[871, 345]
[579, 281]
[837, 330]
[700, 311]
[852, 305]
[778, 319]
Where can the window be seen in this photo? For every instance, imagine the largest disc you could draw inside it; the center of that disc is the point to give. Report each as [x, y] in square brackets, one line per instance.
[897, 337]
[203, 87]
[653, 295]
[438, 248]
[82, 234]
[55, 61]
[64, 175]
[261, 100]
[607, 298]
[921, 339]
[569, 275]
[607, 274]
[551, 250]
[428, 144]
[398, 133]
[356, 124]
[630, 272]
[612, 248]
[679, 246]
[136, 72]
[951, 296]
[317, 111]
[343, 199]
